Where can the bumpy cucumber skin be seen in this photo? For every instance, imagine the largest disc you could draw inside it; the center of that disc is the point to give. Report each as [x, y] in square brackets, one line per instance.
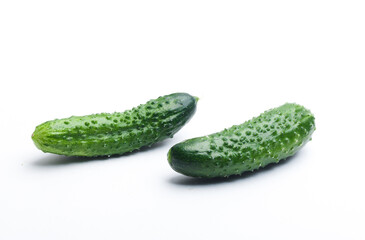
[116, 133]
[274, 135]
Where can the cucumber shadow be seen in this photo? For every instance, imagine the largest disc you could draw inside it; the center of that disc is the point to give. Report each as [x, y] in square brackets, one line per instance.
[54, 160]
[191, 181]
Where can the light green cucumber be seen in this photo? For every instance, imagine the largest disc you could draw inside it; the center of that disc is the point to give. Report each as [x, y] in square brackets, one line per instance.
[116, 133]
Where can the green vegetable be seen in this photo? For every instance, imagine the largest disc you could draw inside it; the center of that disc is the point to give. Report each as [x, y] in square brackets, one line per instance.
[274, 135]
[116, 133]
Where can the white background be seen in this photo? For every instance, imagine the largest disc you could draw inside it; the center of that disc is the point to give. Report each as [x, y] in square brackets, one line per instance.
[63, 58]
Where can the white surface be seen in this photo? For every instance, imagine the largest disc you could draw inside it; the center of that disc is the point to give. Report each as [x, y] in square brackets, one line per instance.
[63, 58]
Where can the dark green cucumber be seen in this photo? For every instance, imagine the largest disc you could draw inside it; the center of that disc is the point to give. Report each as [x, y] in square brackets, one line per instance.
[274, 135]
[116, 133]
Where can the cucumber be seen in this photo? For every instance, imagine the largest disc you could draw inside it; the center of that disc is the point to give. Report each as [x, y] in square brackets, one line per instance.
[274, 135]
[116, 133]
